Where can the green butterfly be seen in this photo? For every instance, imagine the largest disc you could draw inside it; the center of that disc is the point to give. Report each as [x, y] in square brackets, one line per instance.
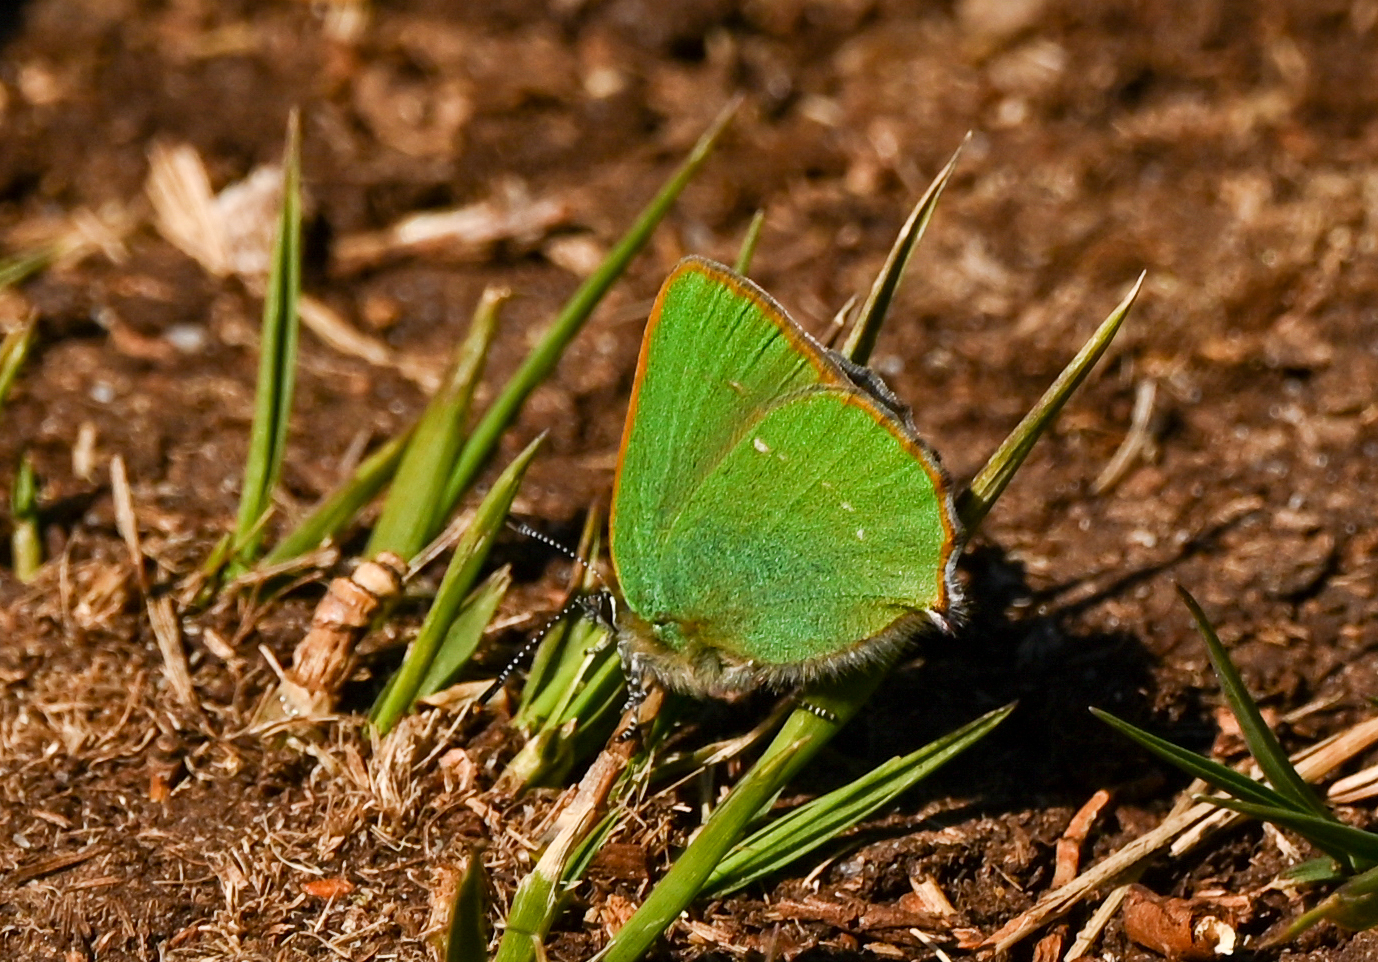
[775, 518]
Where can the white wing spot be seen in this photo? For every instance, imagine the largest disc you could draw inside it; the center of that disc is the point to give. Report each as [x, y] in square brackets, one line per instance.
[847, 506]
[760, 445]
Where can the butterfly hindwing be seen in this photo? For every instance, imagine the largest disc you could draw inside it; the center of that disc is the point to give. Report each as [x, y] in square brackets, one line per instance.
[818, 529]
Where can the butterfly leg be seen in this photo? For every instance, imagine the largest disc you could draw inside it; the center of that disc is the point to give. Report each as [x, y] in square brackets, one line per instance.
[639, 682]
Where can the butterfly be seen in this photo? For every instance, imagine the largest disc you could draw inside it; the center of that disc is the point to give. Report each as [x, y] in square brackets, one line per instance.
[775, 517]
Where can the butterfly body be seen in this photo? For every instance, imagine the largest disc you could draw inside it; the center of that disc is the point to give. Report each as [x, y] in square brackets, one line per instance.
[775, 518]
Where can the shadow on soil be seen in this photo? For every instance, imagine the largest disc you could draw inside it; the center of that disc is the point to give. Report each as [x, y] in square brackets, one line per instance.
[1051, 750]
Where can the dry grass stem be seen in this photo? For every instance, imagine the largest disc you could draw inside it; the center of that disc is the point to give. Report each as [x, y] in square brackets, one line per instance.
[1096, 924]
[1069, 846]
[179, 188]
[162, 615]
[232, 233]
[1355, 788]
[344, 337]
[461, 233]
[1137, 443]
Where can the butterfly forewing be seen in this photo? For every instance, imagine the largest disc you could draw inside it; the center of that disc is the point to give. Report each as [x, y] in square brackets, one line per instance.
[717, 350]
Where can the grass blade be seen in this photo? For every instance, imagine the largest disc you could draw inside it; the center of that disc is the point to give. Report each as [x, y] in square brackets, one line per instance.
[543, 357]
[26, 547]
[823, 819]
[1263, 744]
[333, 514]
[1198, 766]
[13, 350]
[1353, 906]
[1315, 871]
[559, 654]
[277, 367]
[585, 711]
[538, 898]
[975, 503]
[862, 340]
[749, 242]
[682, 884]
[410, 517]
[1335, 838]
[463, 638]
[466, 940]
[24, 265]
[470, 553]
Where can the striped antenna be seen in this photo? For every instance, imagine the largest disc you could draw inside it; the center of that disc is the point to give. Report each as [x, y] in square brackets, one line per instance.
[521, 527]
[598, 607]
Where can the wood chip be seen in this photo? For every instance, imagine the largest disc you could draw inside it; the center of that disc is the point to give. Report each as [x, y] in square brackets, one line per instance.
[1186, 929]
[1069, 846]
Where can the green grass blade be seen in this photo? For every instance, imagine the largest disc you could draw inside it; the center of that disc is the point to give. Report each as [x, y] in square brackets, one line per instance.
[1335, 838]
[1315, 871]
[1353, 906]
[975, 503]
[24, 265]
[553, 666]
[335, 513]
[1213, 773]
[544, 356]
[466, 940]
[803, 734]
[862, 339]
[823, 819]
[576, 724]
[749, 242]
[13, 350]
[277, 367]
[1263, 744]
[682, 884]
[26, 546]
[540, 895]
[470, 553]
[590, 643]
[582, 856]
[410, 517]
[599, 709]
[565, 668]
[463, 638]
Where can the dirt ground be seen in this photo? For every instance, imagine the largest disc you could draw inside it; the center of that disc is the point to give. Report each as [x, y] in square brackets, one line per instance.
[1230, 149]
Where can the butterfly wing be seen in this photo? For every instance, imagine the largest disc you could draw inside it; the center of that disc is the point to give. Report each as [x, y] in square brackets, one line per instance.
[770, 514]
[717, 350]
[823, 527]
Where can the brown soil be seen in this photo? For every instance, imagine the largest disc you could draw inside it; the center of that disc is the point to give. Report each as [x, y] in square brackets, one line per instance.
[1225, 147]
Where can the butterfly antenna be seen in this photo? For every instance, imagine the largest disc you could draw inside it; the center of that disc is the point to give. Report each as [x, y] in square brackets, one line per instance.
[522, 528]
[597, 607]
